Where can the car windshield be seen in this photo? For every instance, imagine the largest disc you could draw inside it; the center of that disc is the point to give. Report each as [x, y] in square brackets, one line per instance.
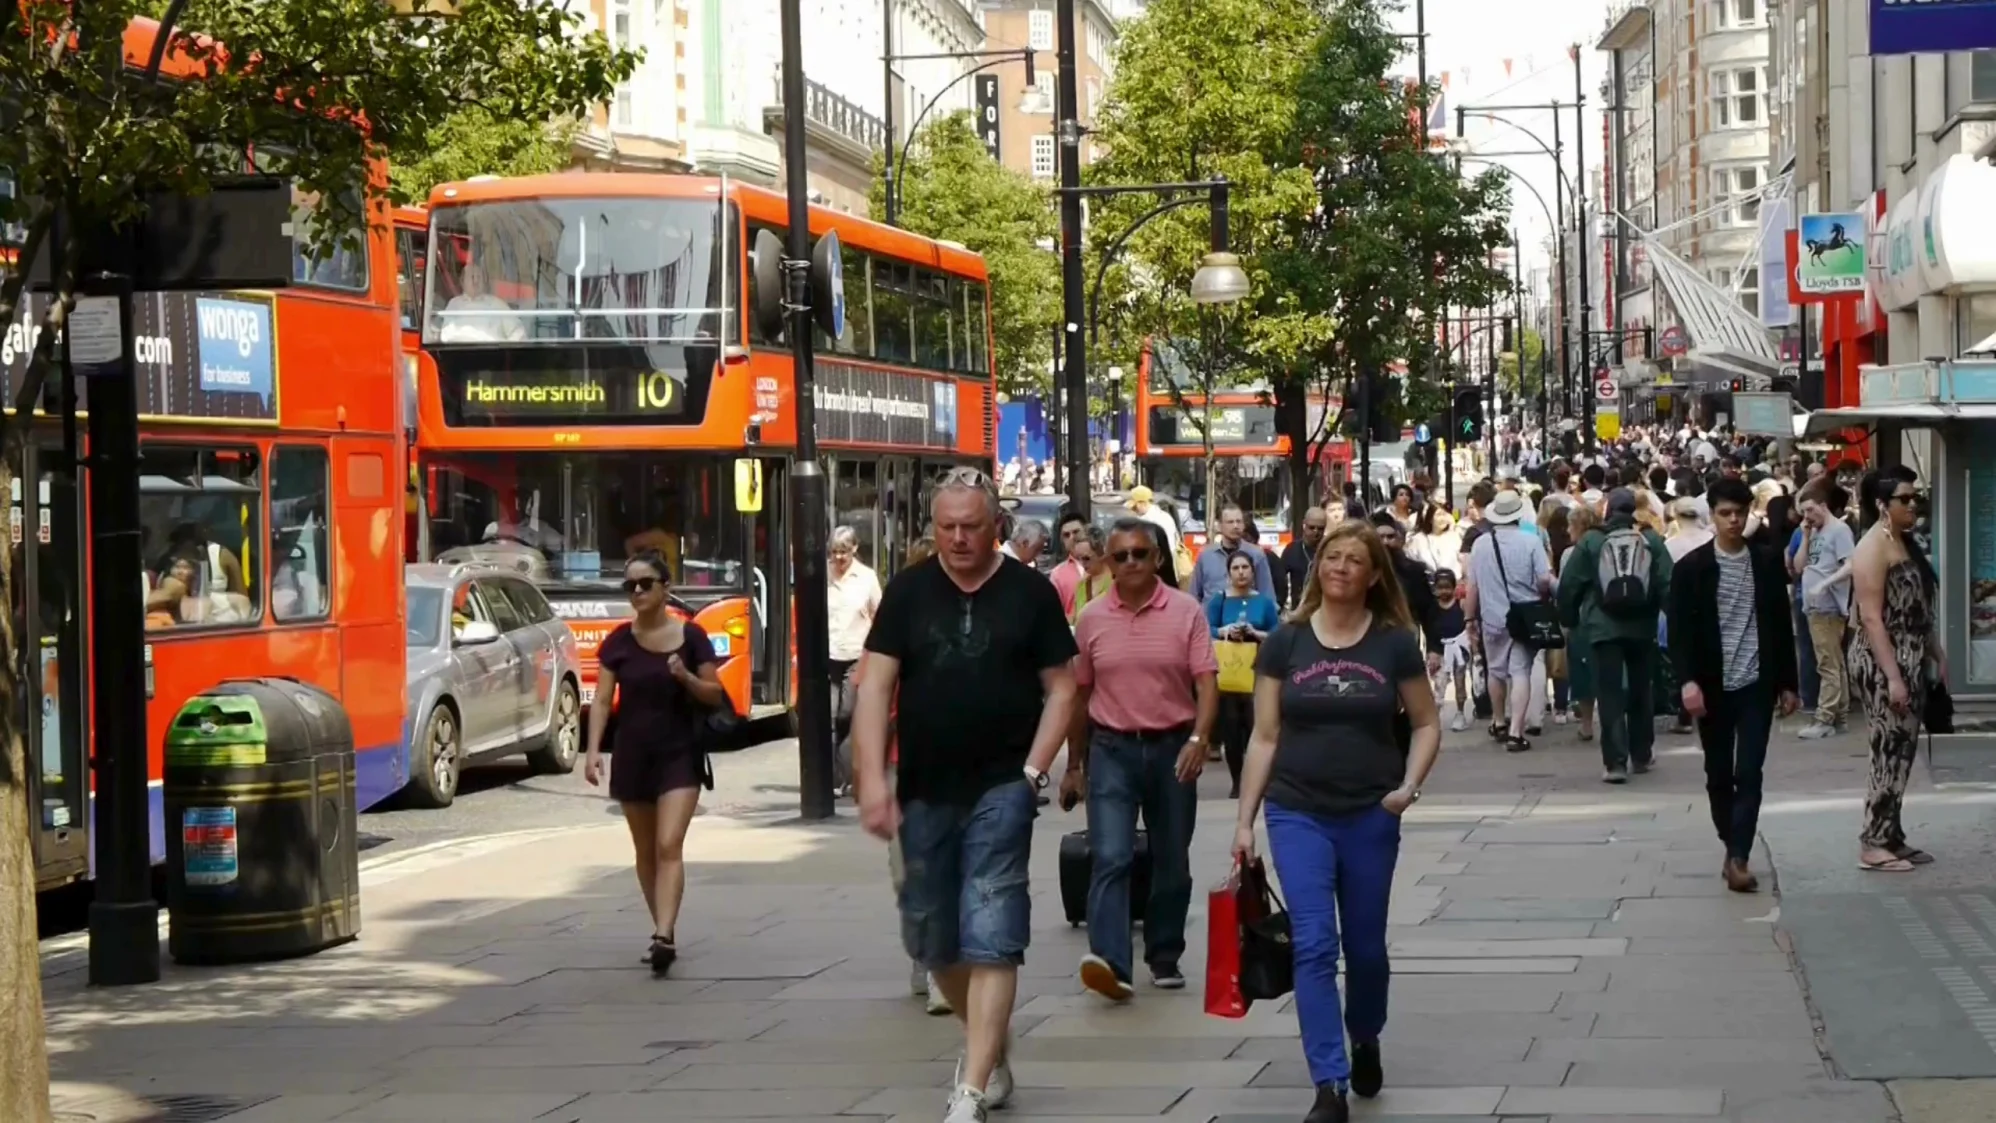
[426, 614]
[563, 519]
[534, 270]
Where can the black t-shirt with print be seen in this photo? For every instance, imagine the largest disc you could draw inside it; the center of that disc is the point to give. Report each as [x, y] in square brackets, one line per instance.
[1335, 752]
[970, 694]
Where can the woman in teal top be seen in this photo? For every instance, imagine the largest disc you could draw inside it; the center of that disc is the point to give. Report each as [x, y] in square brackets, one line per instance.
[1242, 614]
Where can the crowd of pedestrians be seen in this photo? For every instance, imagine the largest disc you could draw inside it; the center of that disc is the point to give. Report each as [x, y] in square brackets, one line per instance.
[1659, 579]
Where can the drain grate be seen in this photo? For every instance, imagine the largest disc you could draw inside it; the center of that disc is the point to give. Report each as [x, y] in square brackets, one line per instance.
[204, 1109]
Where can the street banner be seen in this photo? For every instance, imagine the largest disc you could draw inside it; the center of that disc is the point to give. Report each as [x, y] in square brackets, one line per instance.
[1831, 261]
[1764, 414]
[1905, 27]
[987, 114]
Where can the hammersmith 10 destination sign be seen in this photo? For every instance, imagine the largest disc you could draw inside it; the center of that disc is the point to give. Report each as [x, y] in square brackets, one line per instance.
[543, 397]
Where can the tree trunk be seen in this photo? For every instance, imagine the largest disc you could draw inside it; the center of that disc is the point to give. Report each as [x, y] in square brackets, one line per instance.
[24, 1069]
[1292, 420]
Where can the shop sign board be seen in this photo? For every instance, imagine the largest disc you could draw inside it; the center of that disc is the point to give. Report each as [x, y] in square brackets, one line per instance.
[1906, 27]
[1832, 255]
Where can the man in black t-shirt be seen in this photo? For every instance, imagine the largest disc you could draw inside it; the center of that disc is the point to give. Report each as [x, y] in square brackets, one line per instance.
[982, 653]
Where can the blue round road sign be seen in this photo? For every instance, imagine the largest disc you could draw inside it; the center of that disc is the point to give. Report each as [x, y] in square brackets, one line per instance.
[1421, 434]
[828, 277]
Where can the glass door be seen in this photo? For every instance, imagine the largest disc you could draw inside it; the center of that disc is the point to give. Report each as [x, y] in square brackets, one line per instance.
[48, 599]
[901, 519]
[769, 588]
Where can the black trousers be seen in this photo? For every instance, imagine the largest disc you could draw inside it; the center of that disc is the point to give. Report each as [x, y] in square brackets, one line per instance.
[1236, 726]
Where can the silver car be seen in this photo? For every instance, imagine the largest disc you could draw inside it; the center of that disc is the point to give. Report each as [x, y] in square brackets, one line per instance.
[492, 672]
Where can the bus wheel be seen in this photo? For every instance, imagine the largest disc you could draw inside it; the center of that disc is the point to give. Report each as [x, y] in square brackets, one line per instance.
[556, 755]
[439, 755]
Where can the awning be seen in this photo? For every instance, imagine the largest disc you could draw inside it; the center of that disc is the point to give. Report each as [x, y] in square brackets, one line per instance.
[1916, 415]
[1723, 333]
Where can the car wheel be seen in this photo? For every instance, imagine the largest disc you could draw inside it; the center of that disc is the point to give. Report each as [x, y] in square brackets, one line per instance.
[556, 755]
[438, 760]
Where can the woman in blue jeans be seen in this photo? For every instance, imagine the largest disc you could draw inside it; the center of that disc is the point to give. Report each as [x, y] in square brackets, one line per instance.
[1327, 686]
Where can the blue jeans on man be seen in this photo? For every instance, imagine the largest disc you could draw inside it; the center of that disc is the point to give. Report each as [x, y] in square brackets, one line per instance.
[1337, 879]
[1130, 773]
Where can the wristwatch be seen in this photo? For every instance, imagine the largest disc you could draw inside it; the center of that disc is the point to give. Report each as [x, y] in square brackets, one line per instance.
[1036, 778]
[1195, 739]
[1413, 795]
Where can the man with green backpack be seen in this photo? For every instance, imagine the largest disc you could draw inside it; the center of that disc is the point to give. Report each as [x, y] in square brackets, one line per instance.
[1611, 593]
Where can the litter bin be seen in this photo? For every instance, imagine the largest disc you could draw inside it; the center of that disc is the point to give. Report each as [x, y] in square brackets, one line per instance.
[261, 861]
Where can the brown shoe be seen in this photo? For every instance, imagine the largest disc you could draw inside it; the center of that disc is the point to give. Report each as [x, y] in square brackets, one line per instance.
[1739, 878]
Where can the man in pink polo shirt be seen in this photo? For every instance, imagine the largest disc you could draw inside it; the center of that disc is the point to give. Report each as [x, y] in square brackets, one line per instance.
[1142, 720]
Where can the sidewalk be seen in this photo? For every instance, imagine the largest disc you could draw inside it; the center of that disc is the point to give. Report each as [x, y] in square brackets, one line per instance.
[1565, 952]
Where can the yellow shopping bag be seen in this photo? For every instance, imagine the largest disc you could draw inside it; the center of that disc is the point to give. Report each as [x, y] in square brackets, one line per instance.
[1236, 665]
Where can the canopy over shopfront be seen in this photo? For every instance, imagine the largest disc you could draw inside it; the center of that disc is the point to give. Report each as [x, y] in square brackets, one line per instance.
[1726, 339]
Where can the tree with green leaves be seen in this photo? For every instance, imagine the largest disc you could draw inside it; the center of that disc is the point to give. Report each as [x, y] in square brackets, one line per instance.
[1206, 88]
[951, 189]
[473, 142]
[308, 90]
[1354, 235]
[1519, 372]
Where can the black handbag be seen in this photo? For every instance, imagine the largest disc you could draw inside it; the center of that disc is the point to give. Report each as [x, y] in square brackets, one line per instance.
[1938, 715]
[1533, 623]
[1268, 957]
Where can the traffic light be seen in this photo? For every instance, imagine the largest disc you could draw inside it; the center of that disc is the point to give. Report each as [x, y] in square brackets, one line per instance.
[1383, 400]
[1468, 426]
[1736, 385]
[1507, 347]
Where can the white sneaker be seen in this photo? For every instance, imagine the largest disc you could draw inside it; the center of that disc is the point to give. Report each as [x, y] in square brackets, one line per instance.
[998, 1089]
[1559, 717]
[1816, 731]
[918, 980]
[966, 1105]
[1460, 723]
[938, 1005]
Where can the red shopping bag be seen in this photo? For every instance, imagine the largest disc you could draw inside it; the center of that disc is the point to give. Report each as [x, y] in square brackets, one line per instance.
[1223, 949]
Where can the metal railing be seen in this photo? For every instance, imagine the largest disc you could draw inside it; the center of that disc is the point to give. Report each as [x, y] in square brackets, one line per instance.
[824, 107]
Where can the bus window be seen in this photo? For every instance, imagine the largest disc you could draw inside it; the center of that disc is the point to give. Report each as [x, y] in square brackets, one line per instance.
[561, 519]
[858, 339]
[412, 254]
[300, 565]
[344, 267]
[200, 512]
[932, 320]
[893, 314]
[978, 361]
[626, 269]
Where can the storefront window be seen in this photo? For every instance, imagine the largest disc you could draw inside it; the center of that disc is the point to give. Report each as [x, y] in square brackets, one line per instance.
[1975, 323]
[1982, 563]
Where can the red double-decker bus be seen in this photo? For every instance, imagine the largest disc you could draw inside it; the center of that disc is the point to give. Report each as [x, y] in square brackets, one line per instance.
[1250, 452]
[603, 372]
[271, 439]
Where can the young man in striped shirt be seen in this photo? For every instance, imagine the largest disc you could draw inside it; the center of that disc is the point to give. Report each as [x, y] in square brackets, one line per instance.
[1143, 716]
[1732, 647]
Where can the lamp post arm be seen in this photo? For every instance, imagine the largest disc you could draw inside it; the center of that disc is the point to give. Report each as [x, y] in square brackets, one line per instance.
[916, 125]
[1529, 134]
[1515, 174]
[1109, 252]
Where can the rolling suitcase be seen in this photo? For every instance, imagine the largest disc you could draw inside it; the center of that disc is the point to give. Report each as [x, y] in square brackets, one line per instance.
[1077, 870]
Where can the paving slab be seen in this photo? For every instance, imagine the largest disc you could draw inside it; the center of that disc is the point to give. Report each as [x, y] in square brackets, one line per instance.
[1471, 1101]
[1528, 908]
[1906, 980]
[1620, 1101]
[1944, 1101]
[462, 1107]
[1404, 1070]
[1032, 1101]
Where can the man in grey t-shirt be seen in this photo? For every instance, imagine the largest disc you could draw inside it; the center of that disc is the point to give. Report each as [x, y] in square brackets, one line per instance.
[1823, 567]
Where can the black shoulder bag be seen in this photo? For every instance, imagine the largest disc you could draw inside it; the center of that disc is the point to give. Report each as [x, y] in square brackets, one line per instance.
[1535, 622]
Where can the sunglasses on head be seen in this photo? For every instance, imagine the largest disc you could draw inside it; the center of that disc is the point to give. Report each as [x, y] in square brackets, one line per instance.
[636, 585]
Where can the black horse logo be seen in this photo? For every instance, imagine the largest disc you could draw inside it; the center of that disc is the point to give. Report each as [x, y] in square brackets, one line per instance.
[1838, 240]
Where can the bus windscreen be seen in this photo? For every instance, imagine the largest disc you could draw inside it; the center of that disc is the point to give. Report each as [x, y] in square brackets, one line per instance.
[555, 270]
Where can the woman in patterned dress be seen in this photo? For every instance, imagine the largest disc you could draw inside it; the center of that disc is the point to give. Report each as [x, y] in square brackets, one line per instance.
[1894, 657]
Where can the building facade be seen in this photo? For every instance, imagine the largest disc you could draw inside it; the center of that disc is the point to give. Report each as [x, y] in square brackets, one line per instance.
[734, 114]
[1689, 138]
[1025, 133]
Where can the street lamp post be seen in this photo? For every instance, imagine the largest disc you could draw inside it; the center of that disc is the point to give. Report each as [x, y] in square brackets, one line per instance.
[890, 180]
[1580, 209]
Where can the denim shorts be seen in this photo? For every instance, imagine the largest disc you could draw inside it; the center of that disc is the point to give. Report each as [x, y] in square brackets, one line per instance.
[964, 894]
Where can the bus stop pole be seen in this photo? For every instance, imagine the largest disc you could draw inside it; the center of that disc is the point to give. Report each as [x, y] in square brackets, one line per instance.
[124, 918]
[808, 539]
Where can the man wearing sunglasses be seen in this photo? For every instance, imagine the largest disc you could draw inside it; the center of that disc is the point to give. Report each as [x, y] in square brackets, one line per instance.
[1143, 716]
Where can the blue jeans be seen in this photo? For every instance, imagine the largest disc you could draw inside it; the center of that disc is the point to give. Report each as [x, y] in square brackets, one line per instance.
[1624, 686]
[1734, 734]
[964, 896]
[1128, 773]
[1337, 876]
[1805, 652]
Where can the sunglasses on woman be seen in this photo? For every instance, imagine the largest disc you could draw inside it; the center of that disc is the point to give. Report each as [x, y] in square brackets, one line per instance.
[635, 585]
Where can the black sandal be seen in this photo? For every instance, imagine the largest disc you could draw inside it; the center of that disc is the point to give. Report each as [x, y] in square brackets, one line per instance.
[662, 954]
